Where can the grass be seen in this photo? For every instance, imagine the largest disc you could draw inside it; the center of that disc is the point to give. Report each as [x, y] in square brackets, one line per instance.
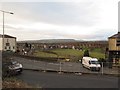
[67, 52]
[97, 55]
[98, 50]
[14, 83]
[74, 55]
[44, 54]
[77, 53]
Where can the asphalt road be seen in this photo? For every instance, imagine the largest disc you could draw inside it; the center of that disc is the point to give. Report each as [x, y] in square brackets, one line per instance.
[65, 66]
[33, 64]
[55, 80]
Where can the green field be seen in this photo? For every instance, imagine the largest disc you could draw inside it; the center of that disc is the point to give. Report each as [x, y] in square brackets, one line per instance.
[68, 52]
[97, 55]
[73, 55]
[44, 54]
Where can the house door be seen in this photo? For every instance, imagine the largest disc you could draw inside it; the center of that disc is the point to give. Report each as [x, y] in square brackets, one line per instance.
[7, 46]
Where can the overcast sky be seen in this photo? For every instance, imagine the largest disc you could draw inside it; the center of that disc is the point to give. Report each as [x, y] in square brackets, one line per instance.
[79, 19]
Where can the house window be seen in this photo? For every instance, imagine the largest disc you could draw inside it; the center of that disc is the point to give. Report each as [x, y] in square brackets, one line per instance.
[118, 42]
[9, 47]
[5, 47]
[7, 44]
[13, 47]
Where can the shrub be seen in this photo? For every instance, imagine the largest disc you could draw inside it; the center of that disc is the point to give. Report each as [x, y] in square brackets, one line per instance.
[86, 53]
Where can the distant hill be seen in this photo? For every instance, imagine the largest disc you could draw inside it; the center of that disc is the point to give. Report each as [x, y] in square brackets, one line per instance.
[58, 41]
[49, 41]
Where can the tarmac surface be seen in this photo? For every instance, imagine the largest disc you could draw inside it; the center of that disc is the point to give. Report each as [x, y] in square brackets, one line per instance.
[64, 80]
[55, 80]
[63, 66]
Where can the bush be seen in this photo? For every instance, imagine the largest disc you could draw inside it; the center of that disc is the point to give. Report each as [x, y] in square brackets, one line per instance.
[86, 53]
[102, 60]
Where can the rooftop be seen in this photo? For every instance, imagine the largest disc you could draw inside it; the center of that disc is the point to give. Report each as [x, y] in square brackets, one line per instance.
[115, 36]
[6, 36]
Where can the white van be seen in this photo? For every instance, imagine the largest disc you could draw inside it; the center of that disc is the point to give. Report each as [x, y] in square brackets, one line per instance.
[91, 63]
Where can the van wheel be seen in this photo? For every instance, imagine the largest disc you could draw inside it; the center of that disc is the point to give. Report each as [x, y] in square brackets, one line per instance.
[83, 66]
[99, 70]
[91, 69]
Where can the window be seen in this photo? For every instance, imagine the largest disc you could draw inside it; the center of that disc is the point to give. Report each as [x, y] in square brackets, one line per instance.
[5, 47]
[94, 62]
[13, 47]
[118, 42]
[7, 44]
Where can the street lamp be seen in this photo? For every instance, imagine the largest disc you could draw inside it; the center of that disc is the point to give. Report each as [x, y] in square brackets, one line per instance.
[3, 24]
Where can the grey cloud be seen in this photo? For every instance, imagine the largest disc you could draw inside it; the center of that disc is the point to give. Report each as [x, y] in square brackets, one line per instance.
[65, 13]
[103, 34]
[12, 27]
[32, 35]
[82, 14]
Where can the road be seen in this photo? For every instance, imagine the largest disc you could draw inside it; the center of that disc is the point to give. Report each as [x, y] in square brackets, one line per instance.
[55, 80]
[65, 66]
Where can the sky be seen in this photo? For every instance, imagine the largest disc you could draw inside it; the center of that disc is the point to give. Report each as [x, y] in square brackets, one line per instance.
[50, 19]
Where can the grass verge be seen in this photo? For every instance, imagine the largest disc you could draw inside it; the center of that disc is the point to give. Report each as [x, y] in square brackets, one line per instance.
[12, 82]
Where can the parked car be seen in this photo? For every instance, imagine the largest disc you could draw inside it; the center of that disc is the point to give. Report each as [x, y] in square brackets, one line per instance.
[11, 68]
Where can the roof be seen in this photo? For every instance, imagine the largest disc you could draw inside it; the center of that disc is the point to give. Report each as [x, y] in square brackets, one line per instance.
[6, 36]
[115, 36]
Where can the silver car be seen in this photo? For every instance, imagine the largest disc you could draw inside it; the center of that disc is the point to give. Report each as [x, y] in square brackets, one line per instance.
[11, 68]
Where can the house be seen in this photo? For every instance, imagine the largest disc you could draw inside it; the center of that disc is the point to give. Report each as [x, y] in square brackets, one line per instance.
[70, 45]
[9, 43]
[114, 48]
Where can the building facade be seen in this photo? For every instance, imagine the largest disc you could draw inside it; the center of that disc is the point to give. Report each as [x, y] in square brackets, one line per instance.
[114, 48]
[9, 43]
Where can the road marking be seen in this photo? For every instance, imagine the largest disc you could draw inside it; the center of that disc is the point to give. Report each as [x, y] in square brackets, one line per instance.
[54, 63]
[70, 65]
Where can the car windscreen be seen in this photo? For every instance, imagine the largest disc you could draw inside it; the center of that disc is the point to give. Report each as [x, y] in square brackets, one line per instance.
[94, 62]
[14, 62]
